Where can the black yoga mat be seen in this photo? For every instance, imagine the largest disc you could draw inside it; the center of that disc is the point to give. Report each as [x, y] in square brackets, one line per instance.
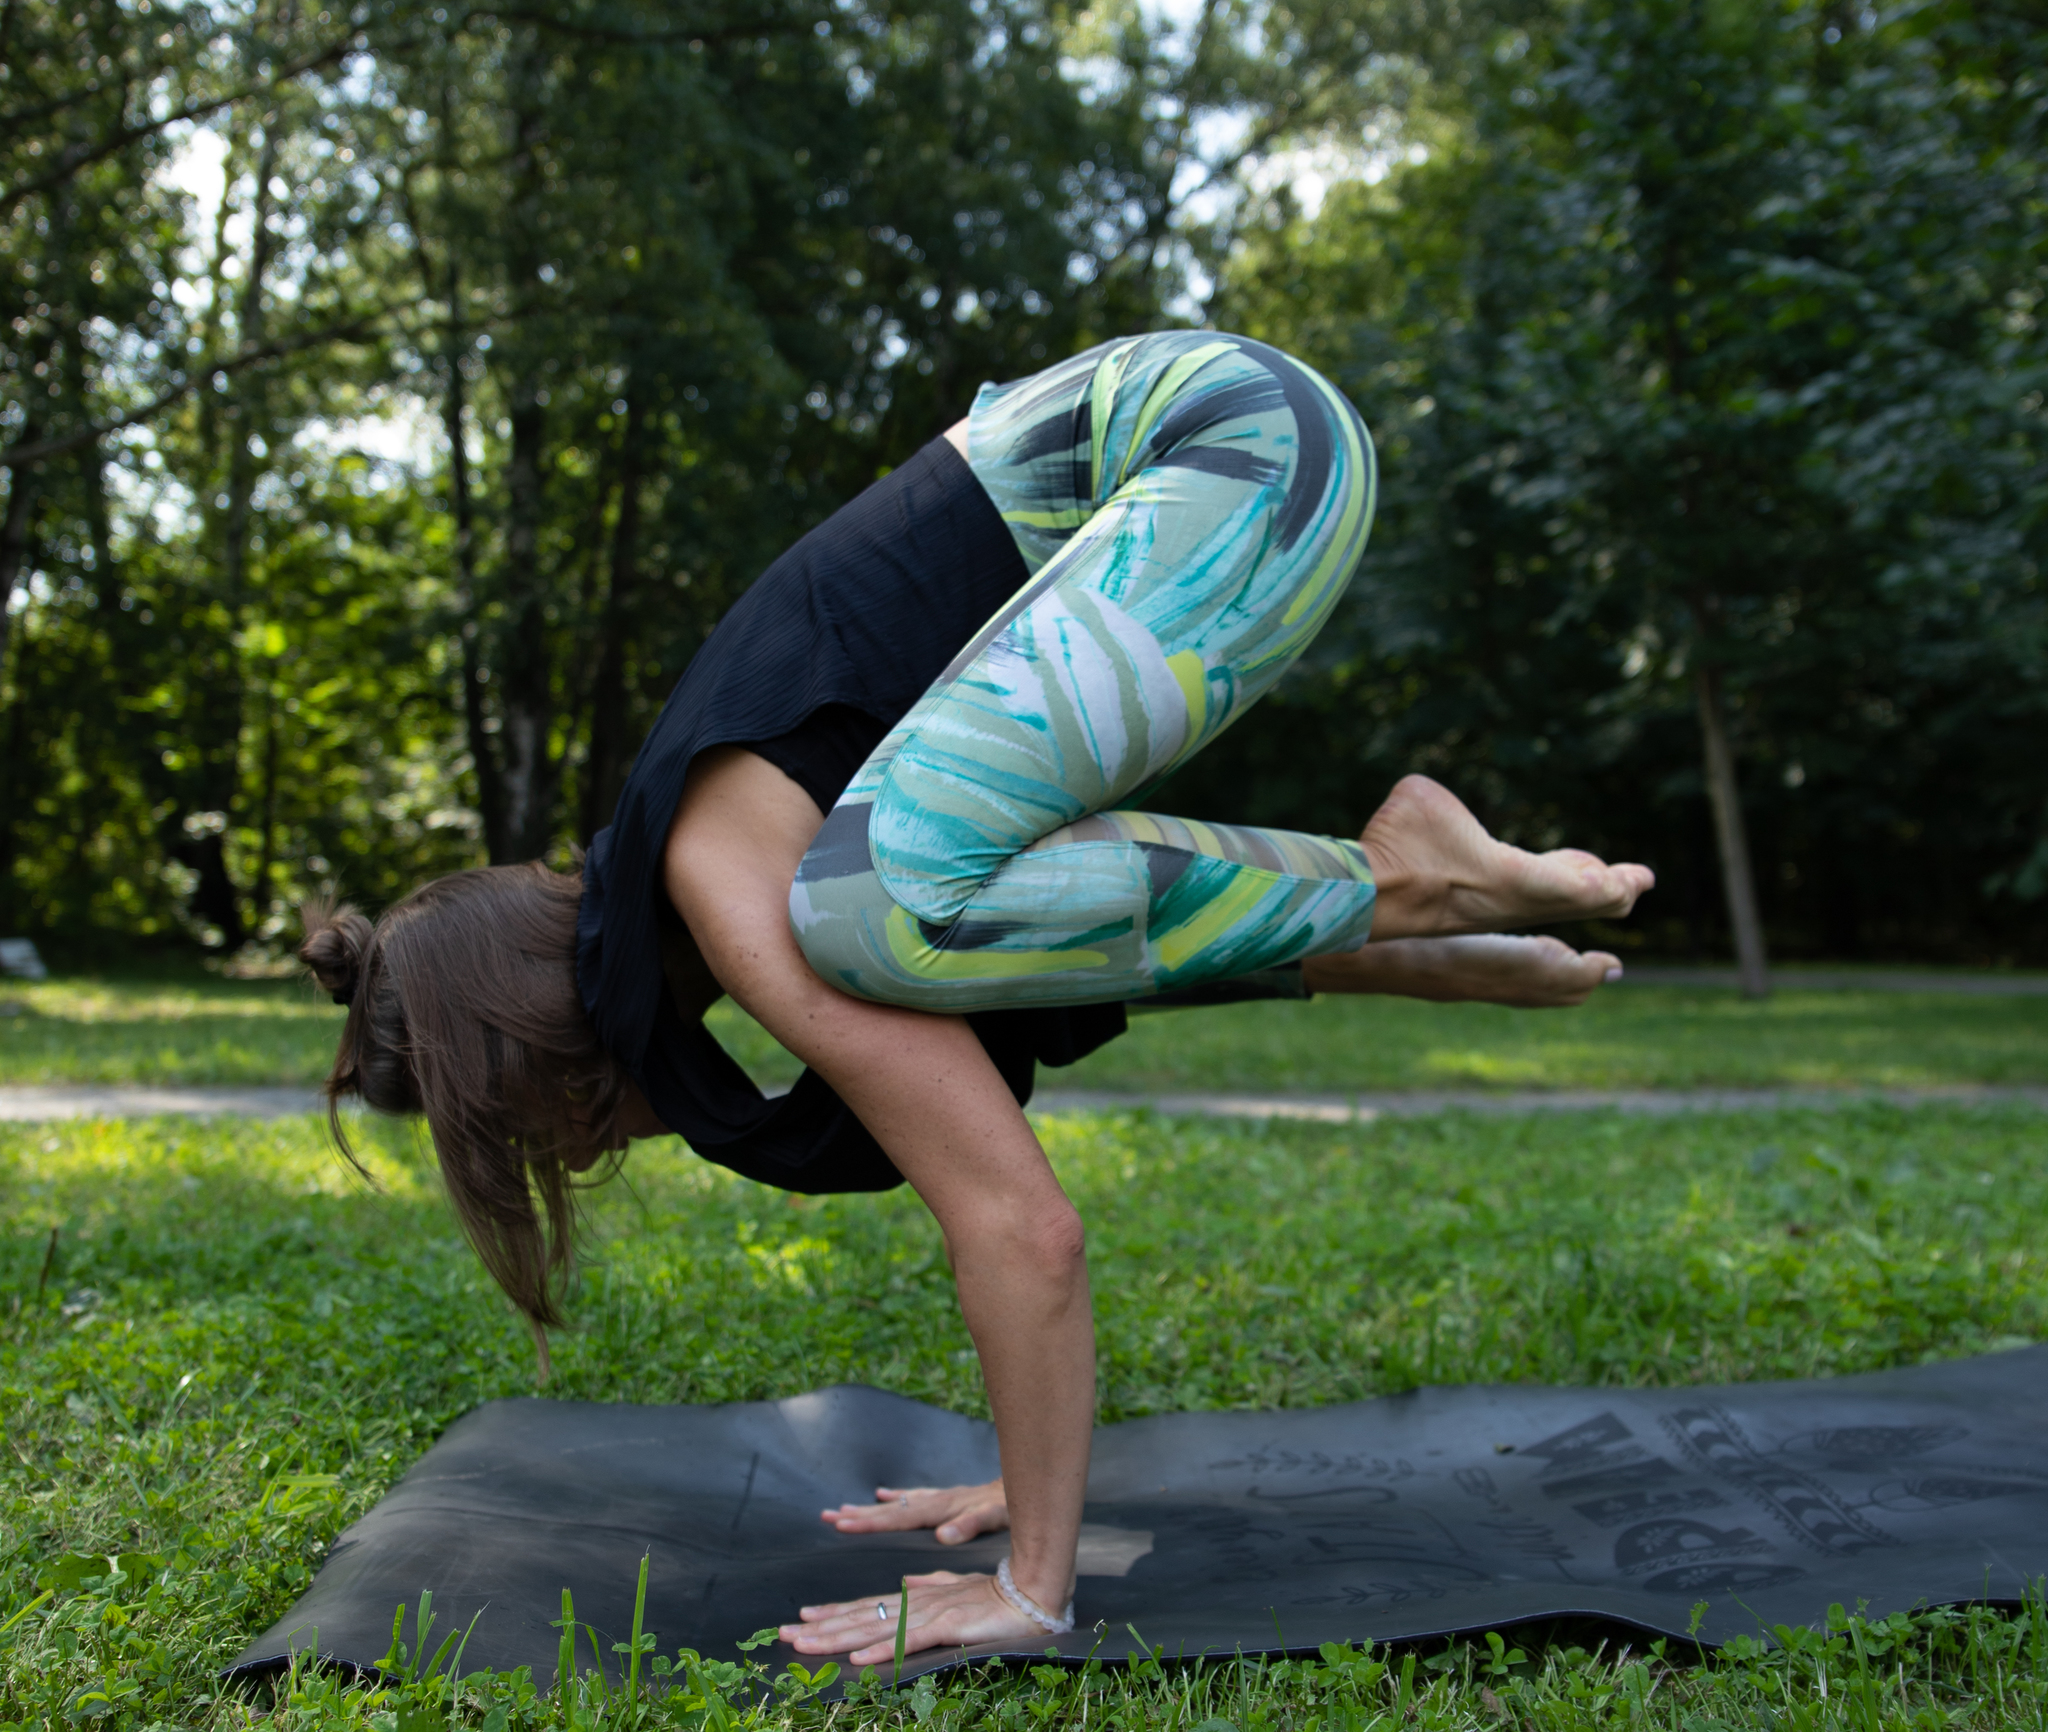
[1417, 1515]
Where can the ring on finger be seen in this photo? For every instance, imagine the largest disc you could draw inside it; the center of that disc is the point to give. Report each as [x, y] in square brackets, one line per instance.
[882, 1610]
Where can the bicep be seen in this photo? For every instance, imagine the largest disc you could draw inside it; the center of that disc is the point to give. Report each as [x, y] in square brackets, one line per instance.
[739, 833]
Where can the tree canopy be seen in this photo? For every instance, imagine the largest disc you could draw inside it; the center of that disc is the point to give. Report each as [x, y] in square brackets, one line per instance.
[395, 394]
[1703, 347]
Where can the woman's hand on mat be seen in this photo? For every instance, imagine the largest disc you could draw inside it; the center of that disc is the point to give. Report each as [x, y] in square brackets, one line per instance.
[1440, 873]
[946, 1610]
[956, 1513]
[1528, 973]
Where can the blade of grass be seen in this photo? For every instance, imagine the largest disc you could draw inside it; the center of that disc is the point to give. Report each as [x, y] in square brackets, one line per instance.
[453, 1639]
[423, 1625]
[394, 1655]
[639, 1609]
[47, 1593]
[565, 1653]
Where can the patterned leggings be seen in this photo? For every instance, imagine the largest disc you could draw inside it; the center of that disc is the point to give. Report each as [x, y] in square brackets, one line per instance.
[1190, 507]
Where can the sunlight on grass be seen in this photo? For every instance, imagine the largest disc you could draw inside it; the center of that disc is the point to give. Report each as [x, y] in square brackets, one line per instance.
[1626, 1037]
[228, 1304]
[254, 1032]
[197, 1031]
[1488, 1067]
[95, 1001]
[759, 1053]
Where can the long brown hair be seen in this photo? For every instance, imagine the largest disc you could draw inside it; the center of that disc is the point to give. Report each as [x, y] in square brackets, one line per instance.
[462, 1007]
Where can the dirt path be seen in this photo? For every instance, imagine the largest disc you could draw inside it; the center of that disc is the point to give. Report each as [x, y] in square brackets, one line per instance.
[83, 1101]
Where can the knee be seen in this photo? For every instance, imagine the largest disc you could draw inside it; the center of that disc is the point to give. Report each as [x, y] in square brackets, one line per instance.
[1055, 1241]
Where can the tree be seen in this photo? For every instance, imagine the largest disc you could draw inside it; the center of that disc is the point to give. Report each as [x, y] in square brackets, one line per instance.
[1666, 268]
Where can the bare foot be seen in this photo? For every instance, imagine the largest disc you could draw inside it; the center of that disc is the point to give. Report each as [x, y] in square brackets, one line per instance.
[1528, 973]
[1439, 872]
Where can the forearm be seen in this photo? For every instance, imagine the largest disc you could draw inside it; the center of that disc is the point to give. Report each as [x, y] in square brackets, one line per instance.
[933, 1099]
[926, 1089]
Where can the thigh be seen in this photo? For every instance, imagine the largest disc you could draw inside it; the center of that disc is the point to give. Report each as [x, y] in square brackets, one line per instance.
[1227, 493]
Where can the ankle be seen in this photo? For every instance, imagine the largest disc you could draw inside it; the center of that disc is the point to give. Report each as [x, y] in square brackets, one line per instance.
[1052, 1612]
[1404, 905]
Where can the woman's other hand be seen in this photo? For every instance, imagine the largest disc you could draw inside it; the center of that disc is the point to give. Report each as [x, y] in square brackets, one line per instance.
[956, 1513]
[946, 1611]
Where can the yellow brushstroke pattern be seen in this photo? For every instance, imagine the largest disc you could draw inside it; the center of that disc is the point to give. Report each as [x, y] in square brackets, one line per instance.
[911, 952]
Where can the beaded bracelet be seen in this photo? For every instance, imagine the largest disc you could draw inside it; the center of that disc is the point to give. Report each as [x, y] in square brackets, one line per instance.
[1006, 1585]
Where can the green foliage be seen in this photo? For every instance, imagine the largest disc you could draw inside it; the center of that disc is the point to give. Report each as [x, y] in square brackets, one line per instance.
[238, 1348]
[1702, 345]
[360, 516]
[666, 293]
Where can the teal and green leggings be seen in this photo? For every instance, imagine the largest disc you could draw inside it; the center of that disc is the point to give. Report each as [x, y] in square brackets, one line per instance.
[1190, 506]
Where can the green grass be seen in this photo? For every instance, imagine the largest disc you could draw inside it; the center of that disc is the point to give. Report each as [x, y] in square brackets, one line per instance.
[239, 1348]
[1624, 1037]
[168, 1028]
[215, 1031]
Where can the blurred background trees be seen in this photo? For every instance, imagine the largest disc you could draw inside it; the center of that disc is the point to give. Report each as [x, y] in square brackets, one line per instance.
[1703, 347]
[395, 394]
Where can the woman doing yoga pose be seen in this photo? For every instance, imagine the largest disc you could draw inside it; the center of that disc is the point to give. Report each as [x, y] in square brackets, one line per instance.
[895, 809]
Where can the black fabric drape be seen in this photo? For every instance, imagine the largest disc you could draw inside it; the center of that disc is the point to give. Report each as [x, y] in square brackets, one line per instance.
[865, 611]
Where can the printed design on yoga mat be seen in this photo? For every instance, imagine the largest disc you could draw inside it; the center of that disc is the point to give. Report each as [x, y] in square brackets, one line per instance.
[1439, 1510]
[1191, 506]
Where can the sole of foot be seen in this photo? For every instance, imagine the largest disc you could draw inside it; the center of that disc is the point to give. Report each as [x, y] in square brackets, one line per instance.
[1524, 973]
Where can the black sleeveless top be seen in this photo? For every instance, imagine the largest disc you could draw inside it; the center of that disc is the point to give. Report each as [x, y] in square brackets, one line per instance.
[814, 664]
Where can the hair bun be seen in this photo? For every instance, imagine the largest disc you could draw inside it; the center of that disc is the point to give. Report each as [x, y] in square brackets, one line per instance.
[336, 939]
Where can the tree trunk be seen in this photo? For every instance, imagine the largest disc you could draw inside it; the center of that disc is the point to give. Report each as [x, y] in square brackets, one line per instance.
[100, 713]
[14, 541]
[528, 769]
[23, 486]
[475, 713]
[216, 898]
[454, 418]
[246, 411]
[266, 863]
[527, 765]
[461, 508]
[21, 508]
[1731, 836]
[604, 772]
